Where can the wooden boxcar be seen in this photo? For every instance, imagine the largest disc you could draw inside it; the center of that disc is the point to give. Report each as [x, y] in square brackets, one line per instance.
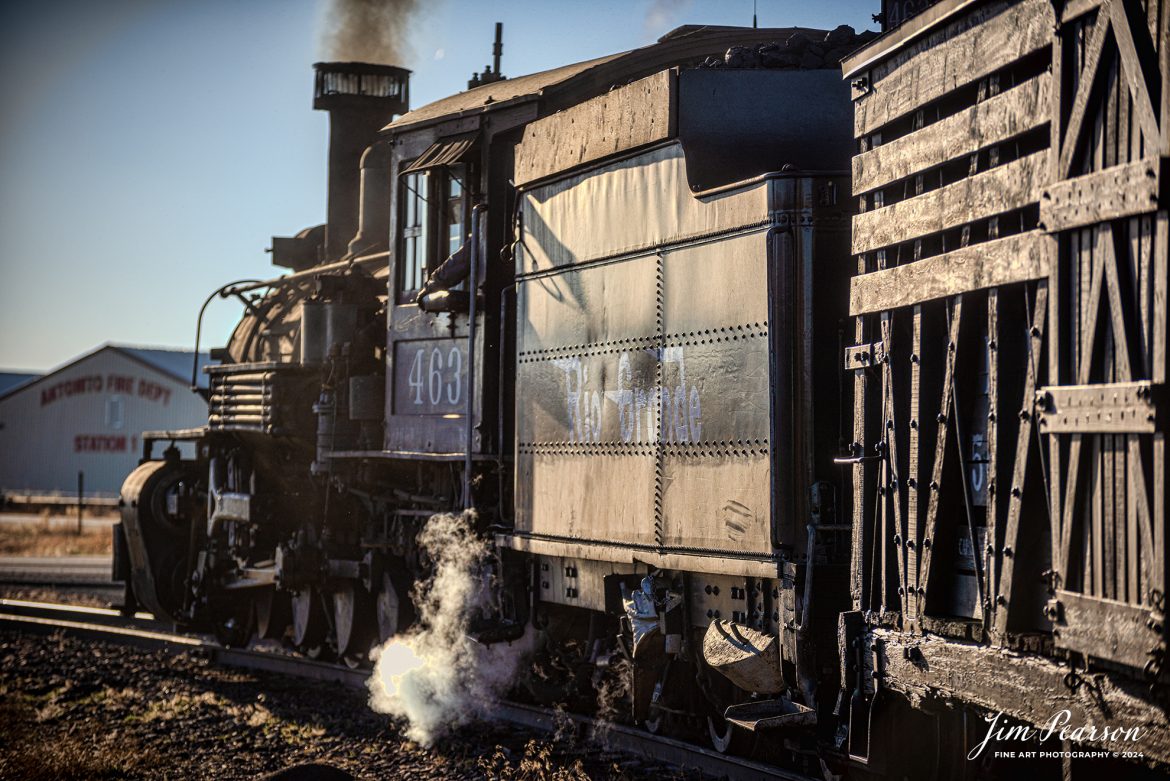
[1009, 363]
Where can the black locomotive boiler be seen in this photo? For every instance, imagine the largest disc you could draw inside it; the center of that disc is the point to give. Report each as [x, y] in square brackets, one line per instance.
[605, 307]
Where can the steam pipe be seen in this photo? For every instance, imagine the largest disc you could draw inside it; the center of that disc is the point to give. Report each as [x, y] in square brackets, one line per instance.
[473, 295]
[288, 279]
[241, 286]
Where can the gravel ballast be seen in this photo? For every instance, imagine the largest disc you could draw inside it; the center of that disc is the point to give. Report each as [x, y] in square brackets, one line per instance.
[82, 709]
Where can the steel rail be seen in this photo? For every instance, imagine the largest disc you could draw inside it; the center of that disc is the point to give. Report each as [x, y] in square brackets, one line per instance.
[83, 614]
[140, 630]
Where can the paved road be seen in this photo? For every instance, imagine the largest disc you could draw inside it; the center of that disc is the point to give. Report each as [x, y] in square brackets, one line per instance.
[55, 570]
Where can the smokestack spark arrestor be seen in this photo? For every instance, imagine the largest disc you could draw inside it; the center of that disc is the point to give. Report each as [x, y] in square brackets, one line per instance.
[361, 99]
[362, 86]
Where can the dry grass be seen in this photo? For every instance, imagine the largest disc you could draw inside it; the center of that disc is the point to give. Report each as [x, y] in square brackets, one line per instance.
[83, 754]
[537, 764]
[49, 536]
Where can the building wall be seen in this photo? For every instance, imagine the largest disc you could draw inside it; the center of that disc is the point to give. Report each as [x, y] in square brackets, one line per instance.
[89, 417]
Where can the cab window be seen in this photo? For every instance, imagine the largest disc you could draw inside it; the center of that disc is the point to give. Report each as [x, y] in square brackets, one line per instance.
[413, 247]
[434, 219]
[454, 212]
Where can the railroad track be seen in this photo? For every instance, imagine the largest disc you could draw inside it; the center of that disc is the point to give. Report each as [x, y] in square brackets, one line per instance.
[143, 630]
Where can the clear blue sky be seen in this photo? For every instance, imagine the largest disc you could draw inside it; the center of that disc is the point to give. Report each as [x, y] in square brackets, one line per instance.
[149, 149]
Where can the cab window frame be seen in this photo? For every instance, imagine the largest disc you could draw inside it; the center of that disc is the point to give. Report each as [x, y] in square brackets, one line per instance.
[425, 222]
[413, 241]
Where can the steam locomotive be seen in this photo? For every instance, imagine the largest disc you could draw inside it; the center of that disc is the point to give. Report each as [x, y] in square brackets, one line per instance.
[606, 307]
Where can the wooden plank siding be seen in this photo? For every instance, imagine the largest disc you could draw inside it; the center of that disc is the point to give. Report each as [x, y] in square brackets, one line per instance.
[1001, 189]
[991, 568]
[1118, 191]
[1104, 628]
[1075, 9]
[1018, 110]
[1073, 292]
[955, 70]
[914, 480]
[945, 417]
[960, 54]
[1019, 258]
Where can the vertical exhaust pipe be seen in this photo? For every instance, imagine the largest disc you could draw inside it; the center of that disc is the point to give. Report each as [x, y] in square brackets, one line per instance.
[491, 73]
[498, 48]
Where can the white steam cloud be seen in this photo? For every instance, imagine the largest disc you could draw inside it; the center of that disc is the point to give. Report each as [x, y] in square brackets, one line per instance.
[435, 676]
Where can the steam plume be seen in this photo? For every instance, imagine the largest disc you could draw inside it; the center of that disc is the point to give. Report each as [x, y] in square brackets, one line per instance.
[613, 692]
[436, 677]
[368, 30]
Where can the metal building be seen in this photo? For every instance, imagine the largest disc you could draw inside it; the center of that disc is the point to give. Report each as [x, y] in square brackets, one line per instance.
[10, 380]
[88, 416]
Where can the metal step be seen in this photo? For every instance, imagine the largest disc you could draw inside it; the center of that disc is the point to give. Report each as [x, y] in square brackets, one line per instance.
[770, 715]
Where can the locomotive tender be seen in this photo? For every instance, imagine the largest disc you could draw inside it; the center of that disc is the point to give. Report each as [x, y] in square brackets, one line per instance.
[606, 307]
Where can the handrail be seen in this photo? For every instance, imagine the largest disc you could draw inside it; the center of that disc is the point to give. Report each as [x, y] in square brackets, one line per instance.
[223, 292]
[473, 296]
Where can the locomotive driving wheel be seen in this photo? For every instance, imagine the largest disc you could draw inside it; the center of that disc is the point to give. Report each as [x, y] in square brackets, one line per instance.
[388, 608]
[352, 622]
[308, 620]
[273, 613]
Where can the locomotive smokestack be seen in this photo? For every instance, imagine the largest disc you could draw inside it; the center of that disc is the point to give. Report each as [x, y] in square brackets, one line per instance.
[361, 99]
